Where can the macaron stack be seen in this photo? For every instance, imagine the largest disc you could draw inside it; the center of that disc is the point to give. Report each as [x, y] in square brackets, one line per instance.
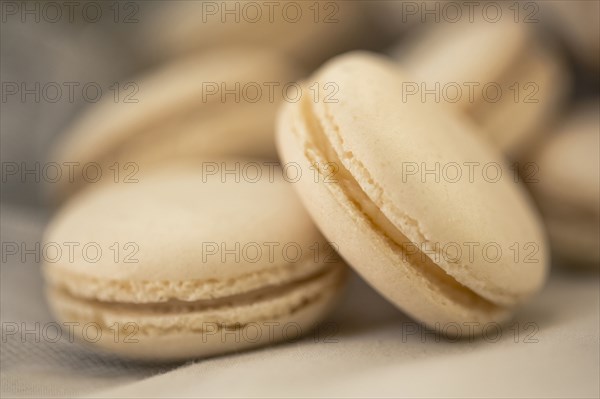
[246, 204]
[200, 267]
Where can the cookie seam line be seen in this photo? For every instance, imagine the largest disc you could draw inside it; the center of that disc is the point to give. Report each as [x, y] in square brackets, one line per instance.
[58, 281]
[333, 278]
[383, 203]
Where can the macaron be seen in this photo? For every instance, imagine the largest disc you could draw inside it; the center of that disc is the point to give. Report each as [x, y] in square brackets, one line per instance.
[564, 177]
[308, 32]
[394, 19]
[200, 105]
[578, 24]
[190, 263]
[498, 73]
[394, 191]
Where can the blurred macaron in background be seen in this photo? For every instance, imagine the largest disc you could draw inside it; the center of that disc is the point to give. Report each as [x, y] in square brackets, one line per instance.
[162, 123]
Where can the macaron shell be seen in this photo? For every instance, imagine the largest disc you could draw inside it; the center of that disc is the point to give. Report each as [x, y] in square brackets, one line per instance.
[523, 114]
[579, 22]
[309, 32]
[173, 113]
[475, 52]
[569, 161]
[244, 134]
[172, 89]
[423, 293]
[173, 336]
[377, 141]
[575, 242]
[179, 223]
[520, 81]
[566, 186]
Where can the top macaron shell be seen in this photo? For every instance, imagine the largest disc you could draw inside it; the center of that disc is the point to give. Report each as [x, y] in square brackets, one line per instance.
[178, 258]
[373, 132]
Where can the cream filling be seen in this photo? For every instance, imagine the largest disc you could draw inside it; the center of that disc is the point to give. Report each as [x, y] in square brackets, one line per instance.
[154, 291]
[420, 262]
[272, 305]
[176, 306]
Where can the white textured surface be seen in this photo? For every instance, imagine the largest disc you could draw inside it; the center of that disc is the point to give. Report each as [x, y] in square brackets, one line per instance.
[368, 358]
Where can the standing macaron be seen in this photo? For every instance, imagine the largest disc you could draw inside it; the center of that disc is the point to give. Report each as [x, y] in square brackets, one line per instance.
[420, 205]
[192, 261]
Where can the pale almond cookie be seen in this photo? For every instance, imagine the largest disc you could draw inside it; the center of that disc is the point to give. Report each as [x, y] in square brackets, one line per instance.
[202, 105]
[309, 32]
[496, 72]
[401, 231]
[195, 262]
[566, 185]
[578, 21]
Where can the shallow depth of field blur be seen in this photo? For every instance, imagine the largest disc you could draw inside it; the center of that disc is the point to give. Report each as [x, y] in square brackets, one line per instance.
[58, 61]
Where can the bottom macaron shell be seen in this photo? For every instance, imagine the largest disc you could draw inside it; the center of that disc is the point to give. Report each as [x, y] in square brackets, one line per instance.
[425, 293]
[146, 334]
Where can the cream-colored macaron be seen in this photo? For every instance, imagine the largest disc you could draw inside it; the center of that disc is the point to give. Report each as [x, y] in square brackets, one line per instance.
[565, 181]
[309, 32]
[222, 102]
[578, 23]
[453, 248]
[192, 261]
[499, 73]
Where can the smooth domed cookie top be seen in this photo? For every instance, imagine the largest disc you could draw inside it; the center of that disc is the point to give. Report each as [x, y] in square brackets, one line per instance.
[189, 222]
